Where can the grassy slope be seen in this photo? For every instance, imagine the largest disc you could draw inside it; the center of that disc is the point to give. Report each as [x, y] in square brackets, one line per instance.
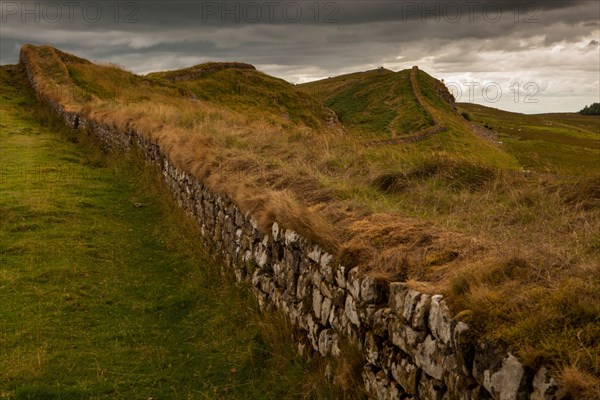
[555, 143]
[103, 299]
[374, 104]
[523, 237]
[380, 104]
[248, 91]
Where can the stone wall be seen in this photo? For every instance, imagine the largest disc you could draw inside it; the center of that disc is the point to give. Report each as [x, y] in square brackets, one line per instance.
[412, 346]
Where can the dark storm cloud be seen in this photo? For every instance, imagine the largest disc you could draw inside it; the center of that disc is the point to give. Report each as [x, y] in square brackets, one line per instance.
[301, 40]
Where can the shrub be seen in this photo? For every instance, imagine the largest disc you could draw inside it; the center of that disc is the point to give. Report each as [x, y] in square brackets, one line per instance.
[593, 109]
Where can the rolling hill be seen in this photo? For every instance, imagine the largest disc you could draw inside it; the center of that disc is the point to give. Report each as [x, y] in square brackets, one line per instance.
[562, 144]
[450, 213]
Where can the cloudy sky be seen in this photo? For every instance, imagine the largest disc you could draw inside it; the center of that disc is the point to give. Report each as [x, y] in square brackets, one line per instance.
[526, 56]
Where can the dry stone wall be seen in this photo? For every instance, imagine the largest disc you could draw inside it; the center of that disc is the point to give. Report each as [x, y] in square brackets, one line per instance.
[413, 348]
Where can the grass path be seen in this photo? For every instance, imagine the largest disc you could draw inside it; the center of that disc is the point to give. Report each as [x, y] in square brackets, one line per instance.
[103, 290]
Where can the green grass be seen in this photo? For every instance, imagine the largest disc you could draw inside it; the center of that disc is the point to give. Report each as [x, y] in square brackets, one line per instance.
[374, 104]
[100, 298]
[564, 144]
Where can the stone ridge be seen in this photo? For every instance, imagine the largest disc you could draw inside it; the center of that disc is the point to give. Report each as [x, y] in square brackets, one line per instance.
[412, 346]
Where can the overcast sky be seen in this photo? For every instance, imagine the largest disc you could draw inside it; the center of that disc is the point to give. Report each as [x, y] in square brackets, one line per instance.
[486, 51]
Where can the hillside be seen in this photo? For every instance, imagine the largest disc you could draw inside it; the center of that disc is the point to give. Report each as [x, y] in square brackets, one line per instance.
[380, 107]
[515, 254]
[550, 143]
[372, 104]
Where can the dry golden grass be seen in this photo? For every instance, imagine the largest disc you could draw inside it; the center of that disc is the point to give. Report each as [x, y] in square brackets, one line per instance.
[579, 384]
[528, 244]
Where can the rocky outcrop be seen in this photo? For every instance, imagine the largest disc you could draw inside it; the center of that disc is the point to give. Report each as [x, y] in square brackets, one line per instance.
[412, 345]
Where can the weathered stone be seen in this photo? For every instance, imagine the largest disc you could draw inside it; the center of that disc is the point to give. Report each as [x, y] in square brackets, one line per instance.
[261, 254]
[313, 327]
[253, 222]
[429, 358]
[353, 283]
[277, 251]
[303, 288]
[367, 314]
[421, 313]
[256, 278]
[291, 237]
[325, 261]
[431, 389]
[334, 318]
[410, 302]
[238, 235]
[371, 349]
[292, 260]
[274, 230]
[228, 225]
[406, 374]
[317, 300]
[338, 297]
[463, 348]
[278, 274]
[398, 292]
[458, 384]
[336, 348]
[325, 310]
[326, 339]
[314, 254]
[439, 320]
[387, 354]
[328, 275]
[238, 218]
[370, 380]
[368, 290]
[502, 375]
[378, 386]
[405, 337]
[544, 386]
[350, 310]
[340, 276]
[326, 289]
[380, 321]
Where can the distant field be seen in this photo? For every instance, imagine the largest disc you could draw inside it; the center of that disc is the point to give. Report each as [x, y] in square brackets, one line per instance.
[104, 292]
[555, 143]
